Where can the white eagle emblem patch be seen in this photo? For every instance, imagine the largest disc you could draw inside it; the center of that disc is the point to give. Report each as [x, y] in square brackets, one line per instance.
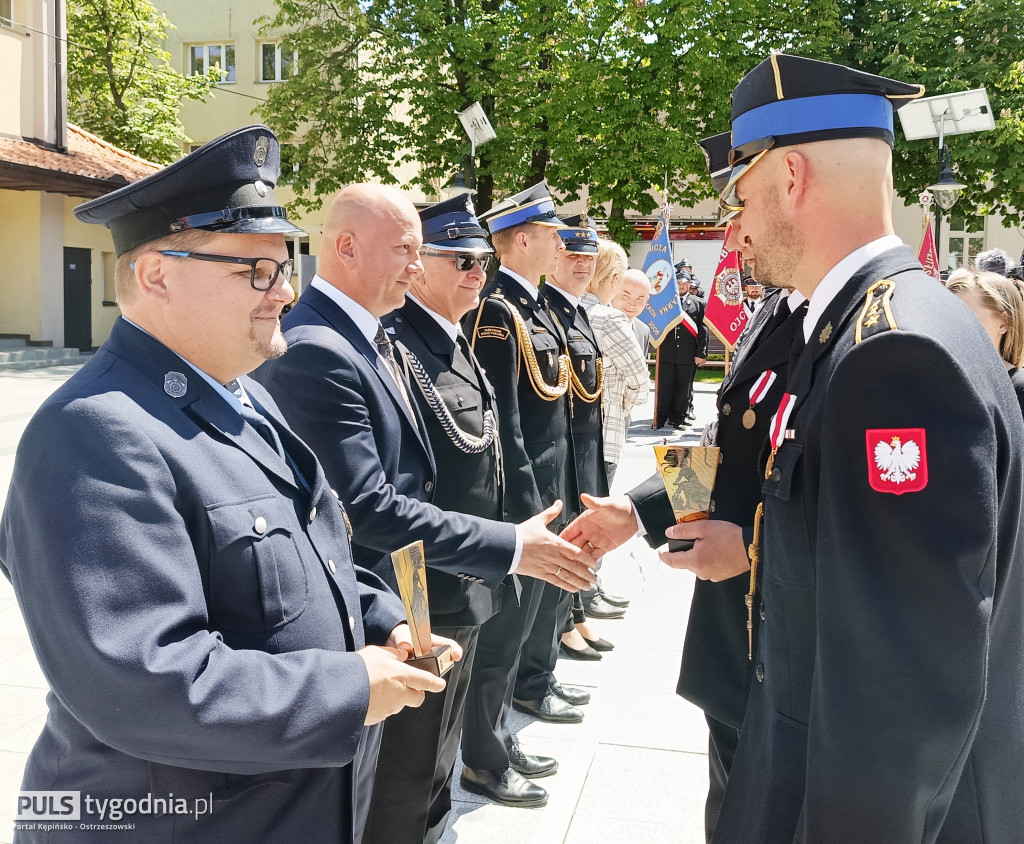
[897, 461]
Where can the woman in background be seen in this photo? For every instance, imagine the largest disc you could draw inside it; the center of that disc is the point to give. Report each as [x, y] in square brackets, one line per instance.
[999, 305]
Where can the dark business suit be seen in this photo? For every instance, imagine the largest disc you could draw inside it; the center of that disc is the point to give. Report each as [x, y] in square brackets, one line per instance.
[419, 746]
[716, 672]
[540, 652]
[889, 690]
[677, 367]
[535, 444]
[207, 603]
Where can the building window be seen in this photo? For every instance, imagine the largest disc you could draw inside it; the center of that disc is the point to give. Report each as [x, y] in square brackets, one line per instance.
[276, 64]
[203, 58]
[6, 13]
[966, 239]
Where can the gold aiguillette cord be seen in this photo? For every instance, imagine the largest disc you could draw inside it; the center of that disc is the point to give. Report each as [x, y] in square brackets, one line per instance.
[754, 552]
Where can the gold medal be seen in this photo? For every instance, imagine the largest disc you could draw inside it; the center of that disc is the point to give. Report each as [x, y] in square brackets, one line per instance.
[749, 418]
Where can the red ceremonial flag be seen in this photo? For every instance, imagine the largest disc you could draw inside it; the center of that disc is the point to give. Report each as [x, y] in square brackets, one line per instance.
[725, 314]
[927, 254]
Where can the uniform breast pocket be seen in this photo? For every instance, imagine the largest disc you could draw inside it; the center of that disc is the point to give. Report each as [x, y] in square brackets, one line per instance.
[463, 402]
[257, 580]
[545, 347]
[782, 477]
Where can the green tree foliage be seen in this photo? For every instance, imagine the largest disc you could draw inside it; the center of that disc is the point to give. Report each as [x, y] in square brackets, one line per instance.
[611, 96]
[120, 82]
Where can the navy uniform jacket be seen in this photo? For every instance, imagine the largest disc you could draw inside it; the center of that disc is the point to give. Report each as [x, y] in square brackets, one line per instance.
[681, 346]
[193, 608]
[339, 396]
[585, 417]
[716, 671]
[466, 483]
[535, 437]
[889, 702]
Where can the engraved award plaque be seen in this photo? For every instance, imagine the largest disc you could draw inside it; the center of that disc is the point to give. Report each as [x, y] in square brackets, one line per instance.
[689, 476]
[411, 573]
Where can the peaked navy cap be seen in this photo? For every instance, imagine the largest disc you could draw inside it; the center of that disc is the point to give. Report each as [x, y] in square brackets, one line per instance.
[716, 153]
[579, 234]
[789, 100]
[533, 205]
[224, 186]
[453, 225]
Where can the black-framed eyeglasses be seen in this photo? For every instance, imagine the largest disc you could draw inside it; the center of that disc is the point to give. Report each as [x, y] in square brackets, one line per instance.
[263, 271]
[464, 261]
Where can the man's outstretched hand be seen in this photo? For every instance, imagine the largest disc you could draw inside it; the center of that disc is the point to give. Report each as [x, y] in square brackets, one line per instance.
[605, 525]
[549, 558]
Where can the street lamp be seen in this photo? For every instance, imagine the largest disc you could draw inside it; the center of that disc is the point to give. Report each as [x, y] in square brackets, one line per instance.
[464, 181]
[946, 190]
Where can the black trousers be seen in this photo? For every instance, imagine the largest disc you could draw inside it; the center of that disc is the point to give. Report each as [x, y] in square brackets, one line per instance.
[486, 738]
[674, 391]
[722, 741]
[540, 651]
[412, 793]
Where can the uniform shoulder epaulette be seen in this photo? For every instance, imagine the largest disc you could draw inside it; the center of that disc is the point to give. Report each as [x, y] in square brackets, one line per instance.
[876, 315]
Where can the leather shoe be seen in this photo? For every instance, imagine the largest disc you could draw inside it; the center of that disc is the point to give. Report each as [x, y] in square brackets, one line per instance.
[507, 787]
[588, 654]
[614, 600]
[600, 644]
[549, 708]
[598, 607]
[531, 766]
[570, 694]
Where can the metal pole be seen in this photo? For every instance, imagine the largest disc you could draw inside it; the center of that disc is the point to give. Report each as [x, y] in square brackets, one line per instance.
[938, 215]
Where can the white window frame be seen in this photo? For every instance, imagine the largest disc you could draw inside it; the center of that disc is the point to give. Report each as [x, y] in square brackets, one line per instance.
[966, 235]
[277, 61]
[7, 13]
[232, 72]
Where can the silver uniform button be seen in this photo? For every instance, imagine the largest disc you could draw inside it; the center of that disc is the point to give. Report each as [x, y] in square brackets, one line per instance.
[428, 486]
[260, 525]
[312, 514]
[332, 566]
[351, 623]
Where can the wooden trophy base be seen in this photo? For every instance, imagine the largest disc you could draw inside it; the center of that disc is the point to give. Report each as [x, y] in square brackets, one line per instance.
[437, 661]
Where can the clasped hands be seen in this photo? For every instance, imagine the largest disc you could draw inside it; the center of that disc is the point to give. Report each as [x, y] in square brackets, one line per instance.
[718, 553]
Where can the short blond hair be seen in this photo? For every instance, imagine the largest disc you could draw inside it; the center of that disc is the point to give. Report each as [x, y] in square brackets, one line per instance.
[1001, 296]
[503, 241]
[124, 270]
[611, 263]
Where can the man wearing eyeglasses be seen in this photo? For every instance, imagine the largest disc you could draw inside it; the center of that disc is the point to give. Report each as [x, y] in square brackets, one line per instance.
[342, 386]
[888, 686]
[412, 796]
[183, 567]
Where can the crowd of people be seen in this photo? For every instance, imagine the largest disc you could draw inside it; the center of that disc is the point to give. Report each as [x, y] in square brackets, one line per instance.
[200, 522]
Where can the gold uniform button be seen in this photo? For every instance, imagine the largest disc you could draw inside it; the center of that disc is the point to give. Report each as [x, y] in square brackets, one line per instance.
[428, 486]
[332, 566]
[260, 525]
[312, 514]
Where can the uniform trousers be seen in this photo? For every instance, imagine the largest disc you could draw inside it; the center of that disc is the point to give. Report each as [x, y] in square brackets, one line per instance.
[486, 739]
[540, 651]
[674, 391]
[722, 741]
[412, 796]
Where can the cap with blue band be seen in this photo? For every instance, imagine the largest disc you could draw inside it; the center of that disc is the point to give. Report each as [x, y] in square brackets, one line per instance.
[533, 205]
[579, 235]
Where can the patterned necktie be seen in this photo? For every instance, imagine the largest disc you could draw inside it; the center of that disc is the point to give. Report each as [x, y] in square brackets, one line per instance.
[387, 351]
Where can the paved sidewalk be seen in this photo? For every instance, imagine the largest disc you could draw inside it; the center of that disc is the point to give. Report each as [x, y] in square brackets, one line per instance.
[636, 768]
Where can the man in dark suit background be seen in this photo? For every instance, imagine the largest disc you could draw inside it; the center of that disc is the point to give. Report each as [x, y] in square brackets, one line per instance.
[212, 634]
[342, 386]
[679, 355]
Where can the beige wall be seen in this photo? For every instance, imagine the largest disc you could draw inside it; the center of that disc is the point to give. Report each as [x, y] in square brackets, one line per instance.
[20, 285]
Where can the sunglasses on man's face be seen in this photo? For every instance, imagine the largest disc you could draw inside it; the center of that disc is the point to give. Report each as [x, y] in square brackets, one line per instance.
[464, 261]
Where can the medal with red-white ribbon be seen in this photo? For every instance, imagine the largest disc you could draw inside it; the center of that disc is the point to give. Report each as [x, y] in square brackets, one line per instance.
[760, 389]
[777, 429]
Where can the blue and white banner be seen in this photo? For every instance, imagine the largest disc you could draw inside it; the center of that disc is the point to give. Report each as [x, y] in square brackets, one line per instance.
[664, 311]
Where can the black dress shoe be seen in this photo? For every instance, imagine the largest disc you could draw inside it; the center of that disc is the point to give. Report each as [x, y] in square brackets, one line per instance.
[600, 644]
[531, 766]
[614, 600]
[598, 607]
[570, 694]
[588, 654]
[549, 708]
[681, 426]
[507, 787]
